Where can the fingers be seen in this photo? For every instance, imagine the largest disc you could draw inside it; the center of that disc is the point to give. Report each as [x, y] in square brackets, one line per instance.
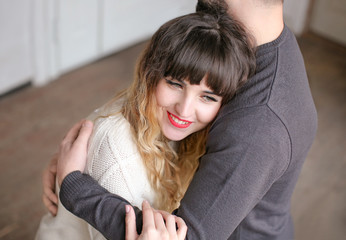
[49, 198]
[130, 221]
[148, 216]
[52, 208]
[170, 224]
[84, 133]
[50, 195]
[53, 162]
[159, 222]
[48, 181]
[72, 156]
[73, 150]
[153, 224]
[73, 132]
[161, 225]
[175, 225]
[78, 135]
[182, 228]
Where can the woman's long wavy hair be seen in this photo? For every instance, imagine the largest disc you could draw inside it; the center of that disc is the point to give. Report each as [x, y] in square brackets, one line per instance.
[206, 43]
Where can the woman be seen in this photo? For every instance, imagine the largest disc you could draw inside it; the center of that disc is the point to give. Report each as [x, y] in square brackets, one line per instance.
[148, 139]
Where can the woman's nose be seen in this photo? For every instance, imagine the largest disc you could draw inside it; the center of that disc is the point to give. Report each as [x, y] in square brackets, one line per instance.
[185, 107]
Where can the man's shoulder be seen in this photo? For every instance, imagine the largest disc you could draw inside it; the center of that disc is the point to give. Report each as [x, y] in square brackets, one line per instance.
[279, 90]
[255, 126]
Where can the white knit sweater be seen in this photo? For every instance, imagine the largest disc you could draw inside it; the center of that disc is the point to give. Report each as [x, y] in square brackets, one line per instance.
[114, 161]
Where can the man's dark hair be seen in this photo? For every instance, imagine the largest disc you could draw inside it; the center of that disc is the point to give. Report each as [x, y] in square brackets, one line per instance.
[223, 5]
[208, 6]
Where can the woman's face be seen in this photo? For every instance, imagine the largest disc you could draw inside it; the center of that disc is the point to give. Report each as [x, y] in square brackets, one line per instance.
[184, 108]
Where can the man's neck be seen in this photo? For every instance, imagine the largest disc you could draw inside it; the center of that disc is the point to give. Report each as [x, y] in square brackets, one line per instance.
[265, 23]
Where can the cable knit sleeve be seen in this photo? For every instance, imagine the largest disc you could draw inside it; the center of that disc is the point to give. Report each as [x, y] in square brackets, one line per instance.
[114, 162]
[104, 158]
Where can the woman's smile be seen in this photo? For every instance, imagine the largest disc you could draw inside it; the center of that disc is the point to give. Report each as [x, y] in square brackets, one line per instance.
[177, 122]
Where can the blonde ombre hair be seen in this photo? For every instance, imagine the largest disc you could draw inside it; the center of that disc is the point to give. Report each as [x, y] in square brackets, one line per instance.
[188, 48]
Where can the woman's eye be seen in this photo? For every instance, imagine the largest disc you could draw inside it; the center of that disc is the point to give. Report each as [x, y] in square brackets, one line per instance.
[174, 83]
[209, 99]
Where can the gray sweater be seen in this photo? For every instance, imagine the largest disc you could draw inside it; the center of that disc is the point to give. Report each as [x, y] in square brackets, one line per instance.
[255, 151]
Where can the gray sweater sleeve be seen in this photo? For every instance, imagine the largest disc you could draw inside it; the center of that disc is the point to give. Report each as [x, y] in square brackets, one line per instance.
[233, 176]
[85, 198]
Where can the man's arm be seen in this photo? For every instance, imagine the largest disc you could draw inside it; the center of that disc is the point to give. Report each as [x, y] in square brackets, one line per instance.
[237, 171]
[111, 220]
[103, 210]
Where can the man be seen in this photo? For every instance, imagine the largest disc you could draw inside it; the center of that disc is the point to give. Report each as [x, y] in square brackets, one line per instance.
[255, 150]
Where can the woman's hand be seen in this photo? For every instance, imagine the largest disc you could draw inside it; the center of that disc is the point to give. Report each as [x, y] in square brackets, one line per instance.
[71, 157]
[49, 197]
[73, 150]
[157, 225]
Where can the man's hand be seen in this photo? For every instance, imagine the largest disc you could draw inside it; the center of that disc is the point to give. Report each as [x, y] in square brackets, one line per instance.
[157, 225]
[73, 149]
[49, 197]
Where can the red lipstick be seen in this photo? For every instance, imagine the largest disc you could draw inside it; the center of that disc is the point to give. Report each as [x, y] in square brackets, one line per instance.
[174, 120]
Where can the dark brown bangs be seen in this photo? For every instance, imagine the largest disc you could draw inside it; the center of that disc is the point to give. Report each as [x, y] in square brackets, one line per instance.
[196, 45]
[201, 54]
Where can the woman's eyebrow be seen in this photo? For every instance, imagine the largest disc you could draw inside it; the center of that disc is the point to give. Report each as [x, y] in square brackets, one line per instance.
[212, 93]
[175, 79]
[180, 80]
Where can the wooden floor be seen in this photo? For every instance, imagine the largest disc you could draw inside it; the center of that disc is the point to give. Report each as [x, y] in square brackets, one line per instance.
[34, 120]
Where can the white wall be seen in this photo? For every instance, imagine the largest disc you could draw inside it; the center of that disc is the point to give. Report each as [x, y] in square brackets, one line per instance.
[42, 39]
[15, 44]
[329, 19]
[295, 14]
[136, 20]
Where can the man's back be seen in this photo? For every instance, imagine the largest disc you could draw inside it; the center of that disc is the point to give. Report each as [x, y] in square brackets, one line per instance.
[255, 152]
